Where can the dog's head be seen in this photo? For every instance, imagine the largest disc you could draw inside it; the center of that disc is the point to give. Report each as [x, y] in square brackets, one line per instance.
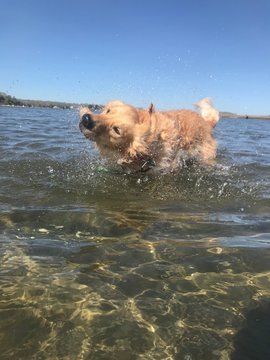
[117, 130]
[113, 128]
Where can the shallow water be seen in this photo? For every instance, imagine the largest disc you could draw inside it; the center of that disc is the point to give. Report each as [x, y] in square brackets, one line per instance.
[97, 264]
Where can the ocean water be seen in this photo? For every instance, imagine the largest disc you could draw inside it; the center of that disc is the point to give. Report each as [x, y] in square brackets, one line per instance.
[98, 264]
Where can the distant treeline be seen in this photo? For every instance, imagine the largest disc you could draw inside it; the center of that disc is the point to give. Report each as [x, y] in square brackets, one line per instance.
[7, 100]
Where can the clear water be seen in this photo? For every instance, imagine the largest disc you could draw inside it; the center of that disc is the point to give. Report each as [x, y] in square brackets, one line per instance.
[97, 264]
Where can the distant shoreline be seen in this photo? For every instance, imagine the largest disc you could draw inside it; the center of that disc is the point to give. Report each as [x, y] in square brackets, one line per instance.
[11, 101]
[53, 105]
[245, 117]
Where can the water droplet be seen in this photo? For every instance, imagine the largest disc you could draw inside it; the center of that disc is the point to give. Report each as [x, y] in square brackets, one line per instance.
[50, 170]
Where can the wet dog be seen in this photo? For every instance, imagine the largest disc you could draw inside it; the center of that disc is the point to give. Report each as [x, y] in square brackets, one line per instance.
[141, 140]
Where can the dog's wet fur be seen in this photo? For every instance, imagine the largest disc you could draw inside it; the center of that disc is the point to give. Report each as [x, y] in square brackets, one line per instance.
[143, 139]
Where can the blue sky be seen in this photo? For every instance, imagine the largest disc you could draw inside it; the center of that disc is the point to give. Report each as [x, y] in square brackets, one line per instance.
[169, 52]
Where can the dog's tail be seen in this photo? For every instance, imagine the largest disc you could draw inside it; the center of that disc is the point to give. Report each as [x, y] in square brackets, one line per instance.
[208, 112]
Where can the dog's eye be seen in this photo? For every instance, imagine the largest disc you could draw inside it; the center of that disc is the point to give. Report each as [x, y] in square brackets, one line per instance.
[116, 130]
[107, 111]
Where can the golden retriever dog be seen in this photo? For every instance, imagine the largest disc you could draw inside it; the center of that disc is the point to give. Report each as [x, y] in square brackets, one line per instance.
[144, 139]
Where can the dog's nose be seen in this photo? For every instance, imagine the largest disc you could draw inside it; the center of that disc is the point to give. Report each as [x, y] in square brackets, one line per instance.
[88, 121]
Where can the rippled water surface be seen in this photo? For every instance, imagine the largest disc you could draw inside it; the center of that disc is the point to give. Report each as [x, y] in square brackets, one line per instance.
[97, 264]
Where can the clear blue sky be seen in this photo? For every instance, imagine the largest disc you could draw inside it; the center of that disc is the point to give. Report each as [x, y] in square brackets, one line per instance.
[170, 52]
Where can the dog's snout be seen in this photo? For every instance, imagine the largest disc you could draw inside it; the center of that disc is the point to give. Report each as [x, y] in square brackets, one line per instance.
[88, 121]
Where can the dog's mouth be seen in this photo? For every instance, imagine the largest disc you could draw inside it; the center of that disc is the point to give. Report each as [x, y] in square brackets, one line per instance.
[89, 134]
[84, 129]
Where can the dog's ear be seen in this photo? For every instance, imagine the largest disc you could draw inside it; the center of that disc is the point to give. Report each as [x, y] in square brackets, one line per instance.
[151, 109]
